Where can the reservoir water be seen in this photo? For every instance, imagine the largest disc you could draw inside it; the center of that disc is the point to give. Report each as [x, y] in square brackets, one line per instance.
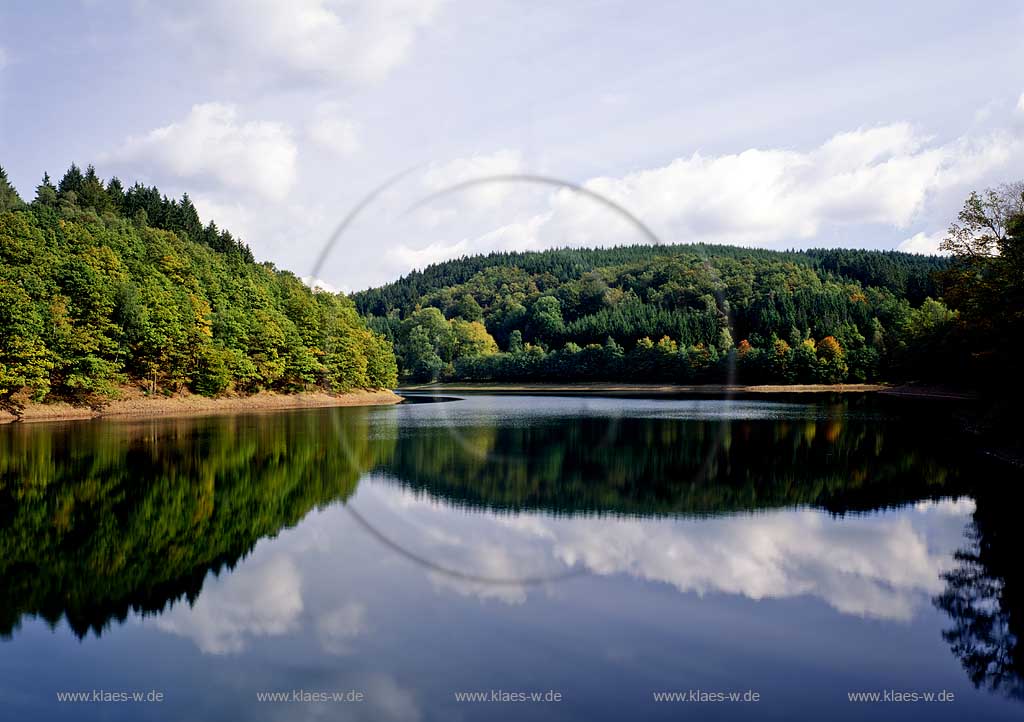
[512, 557]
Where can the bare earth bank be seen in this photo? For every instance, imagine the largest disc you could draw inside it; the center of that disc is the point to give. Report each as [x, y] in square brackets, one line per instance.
[607, 388]
[139, 405]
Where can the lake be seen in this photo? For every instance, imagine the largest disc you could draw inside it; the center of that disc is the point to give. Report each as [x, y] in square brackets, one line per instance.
[512, 557]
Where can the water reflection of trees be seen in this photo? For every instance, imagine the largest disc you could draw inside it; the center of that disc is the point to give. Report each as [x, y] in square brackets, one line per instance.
[97, 520]
[100, 520]
[983, 595]
[678, 466]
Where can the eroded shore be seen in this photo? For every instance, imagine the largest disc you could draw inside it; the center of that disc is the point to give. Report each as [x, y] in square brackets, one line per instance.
[140, 406]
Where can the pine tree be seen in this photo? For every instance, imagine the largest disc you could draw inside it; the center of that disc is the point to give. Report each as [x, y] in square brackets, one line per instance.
[71, 183]
[115, 192]
[93, 194]
[188, 219]
[210, 235]
[46, 192]
[9, 198]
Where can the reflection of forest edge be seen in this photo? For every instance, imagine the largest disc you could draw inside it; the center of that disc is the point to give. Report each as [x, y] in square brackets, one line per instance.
[659, 466]
[98, 520]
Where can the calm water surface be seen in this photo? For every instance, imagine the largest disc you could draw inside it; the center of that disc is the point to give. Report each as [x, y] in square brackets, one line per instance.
[603, 549]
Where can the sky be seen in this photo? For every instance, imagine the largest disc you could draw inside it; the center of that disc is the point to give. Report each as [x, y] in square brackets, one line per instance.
[775, 125]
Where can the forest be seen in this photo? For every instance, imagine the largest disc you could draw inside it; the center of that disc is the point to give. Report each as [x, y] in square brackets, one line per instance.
[102, 286]
[710, 314]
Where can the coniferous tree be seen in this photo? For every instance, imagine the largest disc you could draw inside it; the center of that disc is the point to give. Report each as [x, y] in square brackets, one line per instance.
[189, 218]
[71, 183]
[92, 194]
[115, 192]
[46, 192]
[9, 198]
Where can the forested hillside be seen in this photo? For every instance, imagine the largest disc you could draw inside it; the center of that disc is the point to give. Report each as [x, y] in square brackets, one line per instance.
[685, 313]
[102, 286]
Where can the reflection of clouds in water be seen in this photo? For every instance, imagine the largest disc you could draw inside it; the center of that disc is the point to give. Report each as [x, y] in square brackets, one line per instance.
[870, 567]
[884, 565]
[338, 627]
[384, 700]
[258, 599]
[390, 701]
[948, 507]
[487, 560]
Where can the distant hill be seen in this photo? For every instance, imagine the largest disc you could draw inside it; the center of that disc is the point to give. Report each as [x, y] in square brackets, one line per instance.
[905, 274]
[679, 312]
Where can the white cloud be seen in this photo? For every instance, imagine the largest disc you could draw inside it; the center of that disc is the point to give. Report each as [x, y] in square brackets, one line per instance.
[337, 134]
[256, 600]
[488, 560]
[320, 284]
[361, 41]
[882, 176]
[490, 195]
[926, 243]
[886, 566]
[340, 626]
[231, 216]
[1020, 103]
[213, 142]
[517, 236]
[407, 257]
[390, 701]
[867, 567]
[331, 129]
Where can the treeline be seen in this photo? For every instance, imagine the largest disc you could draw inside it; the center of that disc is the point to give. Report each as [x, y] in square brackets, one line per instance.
[907, 275]
[673, 313]
[101, 287]
[146, 206]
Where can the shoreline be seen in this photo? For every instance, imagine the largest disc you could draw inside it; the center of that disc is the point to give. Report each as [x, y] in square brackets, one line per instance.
[139, 406]
[598, 388]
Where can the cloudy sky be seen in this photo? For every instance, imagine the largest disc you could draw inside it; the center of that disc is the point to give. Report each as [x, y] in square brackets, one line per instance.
[772, 124]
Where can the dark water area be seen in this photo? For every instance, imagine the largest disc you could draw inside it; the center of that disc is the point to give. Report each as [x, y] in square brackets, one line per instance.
[803, 551]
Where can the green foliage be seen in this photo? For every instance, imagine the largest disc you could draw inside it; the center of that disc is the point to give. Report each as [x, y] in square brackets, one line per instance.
[23, 358]
[680, 313]
[903, 274]
[986, 285]
[99, 520]
[472, 339]
[9, 198]
[92, 298]
[427, 343]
